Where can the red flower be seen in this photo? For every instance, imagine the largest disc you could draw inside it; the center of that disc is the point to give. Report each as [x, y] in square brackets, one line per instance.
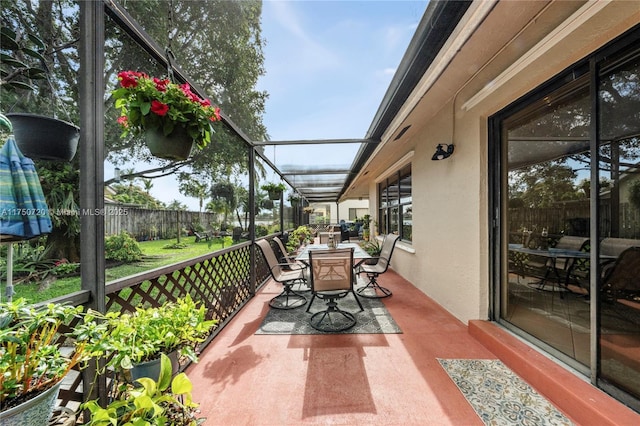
[205, 102]
[123, 120]
[161, 85]
[217, 114]
[128, 79]
[159, 108]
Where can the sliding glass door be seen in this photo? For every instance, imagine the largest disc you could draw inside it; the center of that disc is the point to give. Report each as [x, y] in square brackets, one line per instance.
[566, 197]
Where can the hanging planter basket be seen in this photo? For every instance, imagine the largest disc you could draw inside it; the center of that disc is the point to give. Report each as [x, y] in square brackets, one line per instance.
[175, 146]
[275, 195]
[267, 204]
[44, 138]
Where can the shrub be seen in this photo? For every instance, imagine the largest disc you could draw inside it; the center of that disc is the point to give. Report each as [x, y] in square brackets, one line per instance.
[122, 248]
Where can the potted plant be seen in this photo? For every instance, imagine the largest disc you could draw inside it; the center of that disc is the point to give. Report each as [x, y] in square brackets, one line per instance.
[164, 402]
[298, 237]
[366, 220]
[169, 115]
[37, 136]
[275, 190]
[138, 339]
[32, 360]
[373, 248]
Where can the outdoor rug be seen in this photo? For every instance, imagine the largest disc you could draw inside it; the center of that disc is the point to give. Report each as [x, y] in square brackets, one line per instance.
[375, 319]
[499, 396]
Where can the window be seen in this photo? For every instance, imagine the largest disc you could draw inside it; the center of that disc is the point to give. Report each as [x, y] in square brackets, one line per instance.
[395, 204]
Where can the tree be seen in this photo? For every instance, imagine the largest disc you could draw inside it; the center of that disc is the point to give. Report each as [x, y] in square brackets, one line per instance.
[544, 184]
[226, 59]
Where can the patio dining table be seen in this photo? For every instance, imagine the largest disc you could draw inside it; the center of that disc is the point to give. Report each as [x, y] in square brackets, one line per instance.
[358, 252]
[552, 255]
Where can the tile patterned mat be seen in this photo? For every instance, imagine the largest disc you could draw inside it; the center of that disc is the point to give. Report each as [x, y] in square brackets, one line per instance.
[499, 396]
[375, 319]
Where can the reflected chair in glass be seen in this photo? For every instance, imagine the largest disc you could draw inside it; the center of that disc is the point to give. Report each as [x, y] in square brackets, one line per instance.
[288, 299]
[621, 284]
[373, 290]
[332, 277]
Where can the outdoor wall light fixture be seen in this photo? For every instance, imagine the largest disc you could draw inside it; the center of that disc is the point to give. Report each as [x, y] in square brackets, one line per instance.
[441, 153]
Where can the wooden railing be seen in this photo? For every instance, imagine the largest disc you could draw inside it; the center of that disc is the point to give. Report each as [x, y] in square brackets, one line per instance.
[220, 280]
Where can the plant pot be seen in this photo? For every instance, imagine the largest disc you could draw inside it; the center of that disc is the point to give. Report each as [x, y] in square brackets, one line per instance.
[275, 195]
[35, 411]
[151, 368]
[44, 138]
[174, 146]
[267, 204]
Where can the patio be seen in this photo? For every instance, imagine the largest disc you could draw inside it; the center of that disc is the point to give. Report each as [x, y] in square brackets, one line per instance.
[392, 379]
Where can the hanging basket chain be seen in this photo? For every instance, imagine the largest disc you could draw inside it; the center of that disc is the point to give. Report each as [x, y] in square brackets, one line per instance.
[168, 50]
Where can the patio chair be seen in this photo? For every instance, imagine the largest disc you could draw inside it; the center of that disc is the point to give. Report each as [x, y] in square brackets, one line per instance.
[288, 299]
[332, 278]
[622, 282]
[373, 290]
[324, 237]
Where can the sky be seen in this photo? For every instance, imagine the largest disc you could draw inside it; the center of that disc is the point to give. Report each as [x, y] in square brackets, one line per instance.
[328, 65]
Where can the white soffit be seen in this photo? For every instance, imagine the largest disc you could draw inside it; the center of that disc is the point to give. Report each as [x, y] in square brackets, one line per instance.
[577, 19]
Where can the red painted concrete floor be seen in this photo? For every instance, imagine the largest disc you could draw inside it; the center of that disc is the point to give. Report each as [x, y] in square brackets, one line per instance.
[367, 379]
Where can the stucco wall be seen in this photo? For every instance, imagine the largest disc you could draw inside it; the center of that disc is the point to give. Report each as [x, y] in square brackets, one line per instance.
[449, 256]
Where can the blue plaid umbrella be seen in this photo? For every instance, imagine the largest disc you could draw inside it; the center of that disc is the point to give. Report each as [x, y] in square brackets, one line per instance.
[23, 210]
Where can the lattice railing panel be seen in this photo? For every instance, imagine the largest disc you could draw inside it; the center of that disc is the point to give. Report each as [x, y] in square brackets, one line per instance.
[221, 281]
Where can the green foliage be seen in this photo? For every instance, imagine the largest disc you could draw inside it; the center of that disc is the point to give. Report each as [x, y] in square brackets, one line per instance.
[63, 267]
[261, 230]
[165, 402]
[122, 248]
[372, 247]
[299, 236]
[131, 193]
[145, 334]
[31, 261]
[273, 187]
[24, 62]
[31, 360]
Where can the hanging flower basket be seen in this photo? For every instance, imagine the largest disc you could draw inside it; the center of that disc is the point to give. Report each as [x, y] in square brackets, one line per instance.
[44, 138]
[157, 108]
[175, 146]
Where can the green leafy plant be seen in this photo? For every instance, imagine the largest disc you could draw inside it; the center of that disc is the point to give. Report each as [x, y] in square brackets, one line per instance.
[152, 103]
[298, 236]
[31, 358]
[372, 247]
[273, 187]
[145, 334]
[63, 267]
[165, 402]
[24, 63]
[122, 248]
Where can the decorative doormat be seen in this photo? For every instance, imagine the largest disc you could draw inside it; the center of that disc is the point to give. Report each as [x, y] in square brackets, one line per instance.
[375, 319]
[499, 396]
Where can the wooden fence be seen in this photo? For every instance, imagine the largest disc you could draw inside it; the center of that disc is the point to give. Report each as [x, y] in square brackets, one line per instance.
[573, 219]
[146, 224]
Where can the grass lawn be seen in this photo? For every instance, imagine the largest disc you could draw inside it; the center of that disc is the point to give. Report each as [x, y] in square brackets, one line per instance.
[155, 256]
